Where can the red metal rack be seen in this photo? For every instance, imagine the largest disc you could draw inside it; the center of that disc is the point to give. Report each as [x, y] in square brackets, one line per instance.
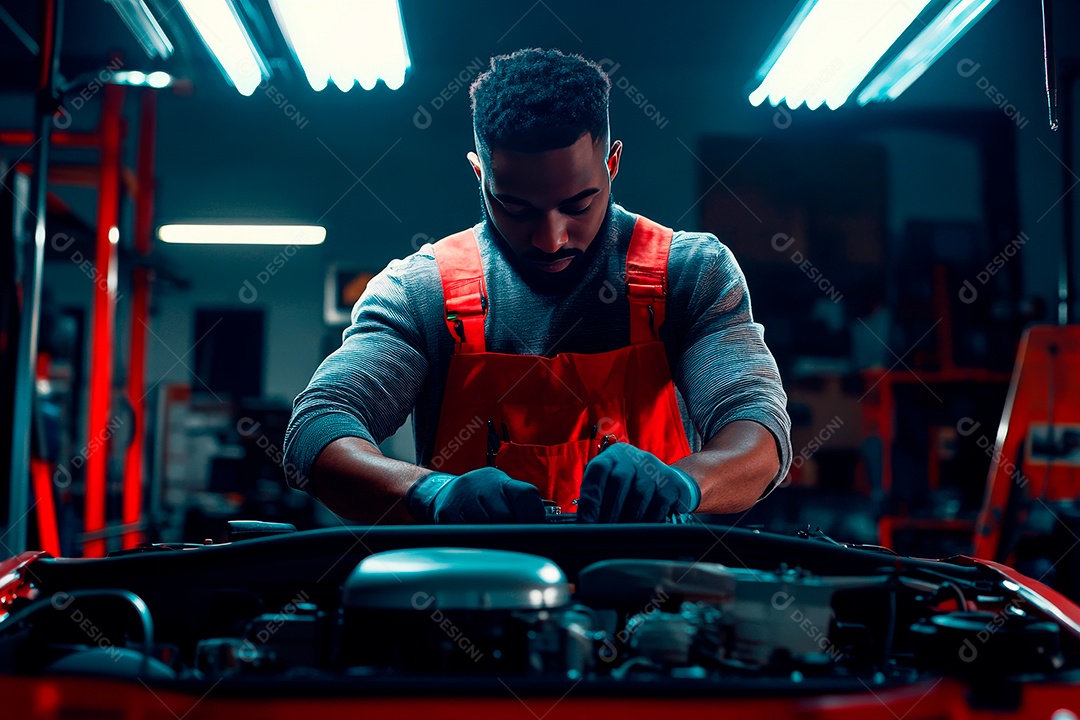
[112, 180]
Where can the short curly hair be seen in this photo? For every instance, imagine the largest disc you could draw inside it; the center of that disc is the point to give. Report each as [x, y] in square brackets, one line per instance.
[535, 100]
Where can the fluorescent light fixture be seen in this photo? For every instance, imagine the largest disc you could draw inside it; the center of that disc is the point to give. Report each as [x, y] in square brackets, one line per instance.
[159, 79]
[346, 41]
[225, 36]
[930, 44]
[243, 234]
[135, 78]
[829, 47]
[142, 24]
[836, 44]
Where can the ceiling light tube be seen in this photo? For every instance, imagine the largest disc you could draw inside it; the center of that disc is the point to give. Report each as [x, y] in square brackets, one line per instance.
[223, 234]
[345, 41]
[137, 78]
[834, 47]
[930, 44]
[223, 32]
[144, 26]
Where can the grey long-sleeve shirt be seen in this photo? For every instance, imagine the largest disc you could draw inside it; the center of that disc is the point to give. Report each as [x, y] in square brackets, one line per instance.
[394, 358]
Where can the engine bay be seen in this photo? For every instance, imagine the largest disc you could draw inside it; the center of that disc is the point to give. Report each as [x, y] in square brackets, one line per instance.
[648, 609]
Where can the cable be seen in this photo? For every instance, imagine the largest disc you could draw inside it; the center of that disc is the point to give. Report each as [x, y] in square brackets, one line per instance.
[134, 600]
[959, 593]
[817, 534]
[942, 577]
[874, 548]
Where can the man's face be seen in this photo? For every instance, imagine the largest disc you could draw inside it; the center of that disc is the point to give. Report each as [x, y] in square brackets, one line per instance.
[549, 206]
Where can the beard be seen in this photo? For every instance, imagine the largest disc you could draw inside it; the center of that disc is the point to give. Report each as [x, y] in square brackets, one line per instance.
[559, 283]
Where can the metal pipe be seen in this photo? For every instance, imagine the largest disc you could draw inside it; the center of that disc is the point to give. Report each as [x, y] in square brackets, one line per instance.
[98, 427]
[51, 21]
[60, 139]
[1068, 204]
[1049, 63]
[18, 31]
[134, 468]
[1057, 95]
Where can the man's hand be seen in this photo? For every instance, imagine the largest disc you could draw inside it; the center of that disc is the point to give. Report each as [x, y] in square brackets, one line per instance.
[625, 484]
[487, 495]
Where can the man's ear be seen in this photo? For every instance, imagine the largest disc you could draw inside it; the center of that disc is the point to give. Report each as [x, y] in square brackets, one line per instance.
[474, 160]
[614, 156]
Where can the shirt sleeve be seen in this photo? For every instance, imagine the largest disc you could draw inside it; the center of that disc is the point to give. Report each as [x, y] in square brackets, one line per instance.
[724, 370]
[368, 386]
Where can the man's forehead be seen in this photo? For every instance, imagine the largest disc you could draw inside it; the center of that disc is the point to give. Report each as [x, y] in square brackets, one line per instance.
[583, 159]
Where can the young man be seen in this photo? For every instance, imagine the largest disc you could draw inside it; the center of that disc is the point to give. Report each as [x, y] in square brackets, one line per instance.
[539, 351]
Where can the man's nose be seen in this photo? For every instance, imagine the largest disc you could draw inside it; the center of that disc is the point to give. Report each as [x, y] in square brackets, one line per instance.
[550, 235]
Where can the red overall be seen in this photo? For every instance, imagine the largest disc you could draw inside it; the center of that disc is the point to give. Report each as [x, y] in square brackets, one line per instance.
[550, 414]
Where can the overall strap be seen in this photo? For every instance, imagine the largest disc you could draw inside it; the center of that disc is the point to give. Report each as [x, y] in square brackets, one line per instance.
[465, 296]
[646, 279]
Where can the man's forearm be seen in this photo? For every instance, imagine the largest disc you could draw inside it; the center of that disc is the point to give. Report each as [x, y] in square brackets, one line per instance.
[734, 467]
[356, 481]
[352, 478]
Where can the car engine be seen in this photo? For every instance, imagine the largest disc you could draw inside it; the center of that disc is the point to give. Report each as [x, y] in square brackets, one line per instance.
[706, 607]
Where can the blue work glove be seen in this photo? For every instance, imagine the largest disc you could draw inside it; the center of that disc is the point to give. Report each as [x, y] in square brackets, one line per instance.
[625, 484]
[487, 495]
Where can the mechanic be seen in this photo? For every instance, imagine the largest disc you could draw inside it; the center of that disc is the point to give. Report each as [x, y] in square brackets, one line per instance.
[539, 351]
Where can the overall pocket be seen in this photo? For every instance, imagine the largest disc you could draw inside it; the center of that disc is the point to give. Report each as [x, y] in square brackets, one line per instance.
[555, 470]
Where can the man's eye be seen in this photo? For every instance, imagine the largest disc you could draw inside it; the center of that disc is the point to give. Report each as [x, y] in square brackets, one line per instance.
[527, 212]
